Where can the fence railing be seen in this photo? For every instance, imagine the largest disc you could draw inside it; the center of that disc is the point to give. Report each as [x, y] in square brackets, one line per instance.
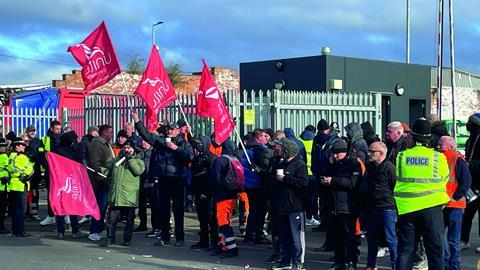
[17, 119]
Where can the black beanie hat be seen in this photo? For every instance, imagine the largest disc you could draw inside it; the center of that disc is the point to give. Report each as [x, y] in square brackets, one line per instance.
[322, 125]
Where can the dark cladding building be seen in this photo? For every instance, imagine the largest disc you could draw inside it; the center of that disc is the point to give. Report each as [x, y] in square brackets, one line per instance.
[405, 88]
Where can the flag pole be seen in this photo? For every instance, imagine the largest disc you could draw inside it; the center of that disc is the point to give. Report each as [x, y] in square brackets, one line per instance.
[183, 113]
[129, 106]
[243, 146]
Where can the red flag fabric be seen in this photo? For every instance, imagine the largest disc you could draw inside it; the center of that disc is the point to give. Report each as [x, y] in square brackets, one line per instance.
[70, 190]
[97, 57]
[210, 104]
[155, 87]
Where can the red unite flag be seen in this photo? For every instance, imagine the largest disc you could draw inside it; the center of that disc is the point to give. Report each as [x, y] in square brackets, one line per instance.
[155, 87]
[70, 190]
[210, 104]
[97, 57]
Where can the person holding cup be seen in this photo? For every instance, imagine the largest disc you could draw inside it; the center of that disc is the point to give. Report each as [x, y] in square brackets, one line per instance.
[287, 185]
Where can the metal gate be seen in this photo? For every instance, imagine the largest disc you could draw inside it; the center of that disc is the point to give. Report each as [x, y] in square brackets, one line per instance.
[275, 109]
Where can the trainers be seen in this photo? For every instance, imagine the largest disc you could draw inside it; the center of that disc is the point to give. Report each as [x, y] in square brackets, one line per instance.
[47, 221]
[422, 265]
[275, 258]
[94, 237]
[312, 222]
[84, 220]
[60, 236]
[382, 252]
[298, 266]
[282, 266]
[78, 235]
[153, 233]
[351, 266]
[478, 250]
[464, 245]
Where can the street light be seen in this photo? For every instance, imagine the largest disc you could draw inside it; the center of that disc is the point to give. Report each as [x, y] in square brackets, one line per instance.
[153, 30]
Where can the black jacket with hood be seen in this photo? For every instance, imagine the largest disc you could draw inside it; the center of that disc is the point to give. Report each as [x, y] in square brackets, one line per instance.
[287, 195]
[220, 168]
[345, 180]
[368, 133]
[202, 169]
[69, 146]
[357, 147]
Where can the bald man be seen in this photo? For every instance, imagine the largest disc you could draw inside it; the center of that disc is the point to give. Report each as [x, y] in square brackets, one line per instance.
[381, 208]
[457, 187]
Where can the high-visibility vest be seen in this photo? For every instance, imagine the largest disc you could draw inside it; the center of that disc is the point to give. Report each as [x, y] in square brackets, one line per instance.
[308, 148]
[46, 143]
[421, 177]
[452, 184]
[216, 150]
[19, 167]
[3, 170]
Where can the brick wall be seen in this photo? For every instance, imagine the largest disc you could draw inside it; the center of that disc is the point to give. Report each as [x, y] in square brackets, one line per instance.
[226, 78]
[467, 102]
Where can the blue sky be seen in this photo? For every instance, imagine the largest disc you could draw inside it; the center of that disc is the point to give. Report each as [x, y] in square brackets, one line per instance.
[227, 32]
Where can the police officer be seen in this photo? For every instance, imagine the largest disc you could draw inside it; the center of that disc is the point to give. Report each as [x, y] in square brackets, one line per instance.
[21, 169]
[4, 179]
[420, 194]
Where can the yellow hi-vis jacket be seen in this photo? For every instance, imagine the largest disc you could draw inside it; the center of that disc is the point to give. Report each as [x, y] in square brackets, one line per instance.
[3, 170]
[21, 169]
[421, 177]
[308, 148]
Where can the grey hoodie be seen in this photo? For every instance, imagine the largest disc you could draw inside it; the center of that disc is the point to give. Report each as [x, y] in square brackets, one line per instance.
[357, 147]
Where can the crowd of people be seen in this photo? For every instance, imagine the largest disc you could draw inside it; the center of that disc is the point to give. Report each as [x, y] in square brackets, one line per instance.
[406, 194]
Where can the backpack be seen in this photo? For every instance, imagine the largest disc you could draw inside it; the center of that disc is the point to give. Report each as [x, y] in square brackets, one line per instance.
[235, 179]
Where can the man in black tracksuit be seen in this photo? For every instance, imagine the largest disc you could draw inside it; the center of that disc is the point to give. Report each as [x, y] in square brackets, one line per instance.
[342, 184]
[167, 167]
[287, 185]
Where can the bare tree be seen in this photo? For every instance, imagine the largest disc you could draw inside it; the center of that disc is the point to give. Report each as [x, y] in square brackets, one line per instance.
[135, 65]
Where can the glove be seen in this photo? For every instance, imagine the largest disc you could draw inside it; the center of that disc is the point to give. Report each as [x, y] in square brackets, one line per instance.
[127, 155]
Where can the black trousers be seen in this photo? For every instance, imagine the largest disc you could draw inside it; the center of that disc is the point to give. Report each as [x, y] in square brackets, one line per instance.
[154, 198]
[172, 191]
[3, 208]
[428, 223]
[257, 199]
[207, 217]
[113, 217]
[470, 212]
[142, 207]
[311, 198]
[343, 228]
[19, 206]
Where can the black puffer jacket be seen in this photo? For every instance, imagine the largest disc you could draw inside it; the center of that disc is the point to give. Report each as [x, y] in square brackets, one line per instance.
[166, 164]
[287, 195]
[357, 147]
[380, 185]
[83, 148]
[346, 174]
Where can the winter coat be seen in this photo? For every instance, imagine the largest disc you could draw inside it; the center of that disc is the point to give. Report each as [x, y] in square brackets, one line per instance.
[220, 169]
[346, 174]
[124, 181]
[357, 146]
[368, 133]
[380, 185]
[262, 157]
[290, 134]
[321, 165]
[395, 148]
[83, 148]
[166, 165]
[202, 170]
[69, 147]
[286, 196]
[99, 152]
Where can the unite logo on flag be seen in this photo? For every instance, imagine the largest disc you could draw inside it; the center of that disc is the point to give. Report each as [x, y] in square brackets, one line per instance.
[96, 59]
[155, 87]
[159, 94]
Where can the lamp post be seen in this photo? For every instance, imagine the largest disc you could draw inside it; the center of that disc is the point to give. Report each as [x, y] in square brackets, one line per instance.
[153, 31]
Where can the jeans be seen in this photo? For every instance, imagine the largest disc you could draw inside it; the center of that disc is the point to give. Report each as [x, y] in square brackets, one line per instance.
[97, 226]
[19, 205]
[452, 217]
[379, 222]
[60, 220]
[428, 223]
